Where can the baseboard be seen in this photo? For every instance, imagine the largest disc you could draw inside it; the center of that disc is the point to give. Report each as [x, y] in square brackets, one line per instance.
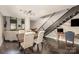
[10, 41]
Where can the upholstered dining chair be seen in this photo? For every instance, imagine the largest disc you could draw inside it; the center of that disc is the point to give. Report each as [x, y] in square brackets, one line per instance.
[20, 36]
[38, 41]
[28, 40]
[70, 46]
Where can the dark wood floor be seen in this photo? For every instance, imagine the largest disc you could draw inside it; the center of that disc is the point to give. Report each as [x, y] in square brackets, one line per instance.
[49, 47]
[13, 48]
[9, 48]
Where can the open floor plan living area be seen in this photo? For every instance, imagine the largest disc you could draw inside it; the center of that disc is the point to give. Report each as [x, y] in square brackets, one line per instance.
[39, 29]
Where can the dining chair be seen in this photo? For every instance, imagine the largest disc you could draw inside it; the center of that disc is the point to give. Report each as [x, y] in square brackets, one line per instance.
[39, 41]
[70, 46]
[28, 40]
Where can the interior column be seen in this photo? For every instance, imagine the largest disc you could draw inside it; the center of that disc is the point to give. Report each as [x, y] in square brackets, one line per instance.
[27, 23]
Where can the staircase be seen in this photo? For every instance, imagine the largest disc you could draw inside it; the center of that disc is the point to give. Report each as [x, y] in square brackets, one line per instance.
[67, 16]
[49, 19]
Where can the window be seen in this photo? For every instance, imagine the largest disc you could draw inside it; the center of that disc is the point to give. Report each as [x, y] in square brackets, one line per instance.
[13, 23]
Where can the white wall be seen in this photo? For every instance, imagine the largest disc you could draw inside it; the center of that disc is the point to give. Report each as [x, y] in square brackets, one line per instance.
[37, 24]
[53, 34]
[67, 27]
[1, 29]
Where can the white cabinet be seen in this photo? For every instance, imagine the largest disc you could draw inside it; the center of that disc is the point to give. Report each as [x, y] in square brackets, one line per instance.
[10, 35]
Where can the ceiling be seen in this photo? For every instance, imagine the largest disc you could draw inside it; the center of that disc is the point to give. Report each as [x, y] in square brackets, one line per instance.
[36, 10]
